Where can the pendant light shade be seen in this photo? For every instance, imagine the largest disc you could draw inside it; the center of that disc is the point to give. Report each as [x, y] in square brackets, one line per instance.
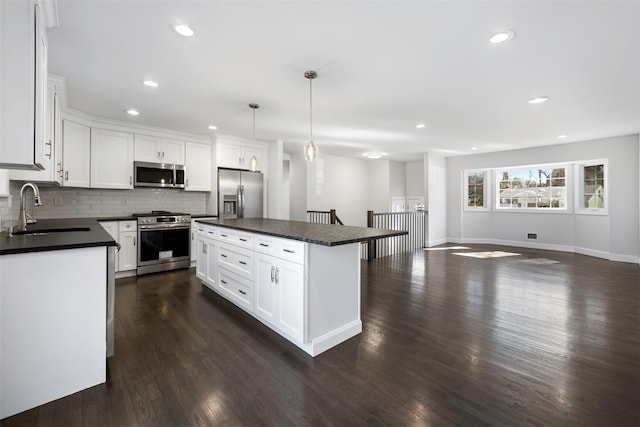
[253, 163]
[310, 151]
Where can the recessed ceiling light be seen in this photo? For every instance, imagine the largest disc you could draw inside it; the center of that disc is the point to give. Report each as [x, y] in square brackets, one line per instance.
[150, 83]
[563, 136]
[420, 125]
[133, 112]
[474, 148]
[374, 156]
[538, 100]
[213, 127]
[501, 37]
[183, 30]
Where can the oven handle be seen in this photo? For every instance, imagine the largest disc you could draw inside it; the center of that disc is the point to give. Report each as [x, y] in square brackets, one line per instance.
[163, 227]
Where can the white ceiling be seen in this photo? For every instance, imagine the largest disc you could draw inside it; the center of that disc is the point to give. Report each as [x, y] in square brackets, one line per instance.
[383, 67]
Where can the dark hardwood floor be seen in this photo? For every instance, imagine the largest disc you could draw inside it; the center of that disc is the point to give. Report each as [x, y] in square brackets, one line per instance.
[541, 338]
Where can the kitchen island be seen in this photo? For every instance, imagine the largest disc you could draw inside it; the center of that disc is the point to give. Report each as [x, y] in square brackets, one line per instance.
[300, 279]
[54, 311]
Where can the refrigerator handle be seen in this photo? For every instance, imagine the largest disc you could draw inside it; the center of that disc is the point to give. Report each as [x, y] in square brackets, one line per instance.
[239, 202]
[242, 200]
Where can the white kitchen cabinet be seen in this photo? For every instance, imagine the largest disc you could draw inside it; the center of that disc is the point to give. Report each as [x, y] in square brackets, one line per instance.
[235, 288]
[195, 228]
[127, 238]
[125, 233]
[198, 167]
[76, 154]
[206, 253]
[111, 159]
[279, 294]
[23, 76]
[52, 134]
[158, 150]
[231, 155]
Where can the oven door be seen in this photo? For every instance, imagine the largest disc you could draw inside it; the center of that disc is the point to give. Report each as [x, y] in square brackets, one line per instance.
[165, 246]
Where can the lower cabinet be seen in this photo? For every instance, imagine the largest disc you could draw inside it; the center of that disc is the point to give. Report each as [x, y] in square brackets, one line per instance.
[206, 254]
[126, 234]
[279, 294]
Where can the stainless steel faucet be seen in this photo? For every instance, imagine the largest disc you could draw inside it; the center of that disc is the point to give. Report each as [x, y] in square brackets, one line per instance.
[22, 216]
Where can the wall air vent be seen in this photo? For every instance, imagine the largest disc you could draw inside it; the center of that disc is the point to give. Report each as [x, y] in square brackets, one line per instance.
[532, 236]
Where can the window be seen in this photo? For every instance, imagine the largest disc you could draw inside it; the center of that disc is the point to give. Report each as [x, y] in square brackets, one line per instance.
[592, 187]
[539, 187]
[475, 188]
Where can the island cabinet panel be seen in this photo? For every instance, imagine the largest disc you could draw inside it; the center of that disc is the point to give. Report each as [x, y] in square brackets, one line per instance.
[308, 293]
[52, 325]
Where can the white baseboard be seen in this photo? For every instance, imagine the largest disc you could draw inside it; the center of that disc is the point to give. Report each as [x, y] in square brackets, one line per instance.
[550, 247]
[333, 338]
[432, 243]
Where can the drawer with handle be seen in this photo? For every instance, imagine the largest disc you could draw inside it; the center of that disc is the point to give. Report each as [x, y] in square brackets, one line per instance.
[235, 259]
[236, 289]
[235, 237]
[291, 250]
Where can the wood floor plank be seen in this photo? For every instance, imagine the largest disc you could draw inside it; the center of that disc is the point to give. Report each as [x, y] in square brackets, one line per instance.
[535, 339]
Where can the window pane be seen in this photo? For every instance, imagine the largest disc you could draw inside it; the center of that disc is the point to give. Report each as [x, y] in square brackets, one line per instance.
[593, 186]
[534, 188]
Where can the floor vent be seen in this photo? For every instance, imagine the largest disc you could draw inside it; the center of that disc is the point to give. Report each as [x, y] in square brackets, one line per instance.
[532, 236]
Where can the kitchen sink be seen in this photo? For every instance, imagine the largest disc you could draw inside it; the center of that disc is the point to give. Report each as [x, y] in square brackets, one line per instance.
[44, 231]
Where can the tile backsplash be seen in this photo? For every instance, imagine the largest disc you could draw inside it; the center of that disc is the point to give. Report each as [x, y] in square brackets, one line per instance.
[61, 202]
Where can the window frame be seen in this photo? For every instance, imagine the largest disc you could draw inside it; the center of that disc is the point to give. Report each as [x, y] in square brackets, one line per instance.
[486, 183]
[568, 169]
[580, 187]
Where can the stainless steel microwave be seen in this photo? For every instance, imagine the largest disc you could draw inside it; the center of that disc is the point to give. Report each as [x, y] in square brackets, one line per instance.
[159, 175]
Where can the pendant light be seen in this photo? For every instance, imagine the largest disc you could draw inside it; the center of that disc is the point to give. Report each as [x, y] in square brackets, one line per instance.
[253, 163]
[310, 151]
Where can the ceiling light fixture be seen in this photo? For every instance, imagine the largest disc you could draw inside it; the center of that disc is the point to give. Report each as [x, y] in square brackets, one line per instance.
[213, 127]
[501, 37]
[183, 30]
[420, 125]
[253, 164]
[563, 136]
[150, 83]
[374, 156]
[474, 148]
[133, 112]
[310, 151]
[538, 100]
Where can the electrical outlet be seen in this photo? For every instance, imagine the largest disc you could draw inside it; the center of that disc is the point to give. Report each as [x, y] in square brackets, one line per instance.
[57, 201]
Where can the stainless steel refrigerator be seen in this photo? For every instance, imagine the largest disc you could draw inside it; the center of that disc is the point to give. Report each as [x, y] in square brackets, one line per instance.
[239, 193]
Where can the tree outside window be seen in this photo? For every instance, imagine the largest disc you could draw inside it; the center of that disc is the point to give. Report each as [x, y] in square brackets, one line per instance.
[532, 188]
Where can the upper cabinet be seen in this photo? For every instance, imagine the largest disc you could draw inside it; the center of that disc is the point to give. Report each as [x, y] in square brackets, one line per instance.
[111, 159]
[198, 167]
[231, 154]
[76, 154]
[158, 150]
[23, 74]
[52, 134]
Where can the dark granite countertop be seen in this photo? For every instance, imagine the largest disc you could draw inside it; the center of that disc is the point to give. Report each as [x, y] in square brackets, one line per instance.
[53, 241]
[320, 234]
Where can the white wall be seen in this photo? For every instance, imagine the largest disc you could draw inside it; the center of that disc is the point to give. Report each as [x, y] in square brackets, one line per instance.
[397, 179]
[614, 236]
[275, 184]
[436, 185]
[339, 183]
[379, 186]
[415, 179]
[297, 187]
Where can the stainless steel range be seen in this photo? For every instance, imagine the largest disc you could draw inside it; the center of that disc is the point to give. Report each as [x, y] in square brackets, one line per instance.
[164, 241]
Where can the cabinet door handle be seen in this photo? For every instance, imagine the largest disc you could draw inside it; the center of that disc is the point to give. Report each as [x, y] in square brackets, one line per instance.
[289, 251]
[130, 180]
[204, 249]
[187, 183]
[277, 275]
[223, 255]
[240, 160]
[272, 272]
[243, 240]
[264, 244]
[50, 149]
[66, 176]
[242, 292]
[223, 282]
[134, 241]
[223, 235]
[163, 154]
[242, 262]
[60, 169]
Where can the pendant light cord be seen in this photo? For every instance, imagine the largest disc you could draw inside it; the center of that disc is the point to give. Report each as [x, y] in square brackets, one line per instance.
[310, 111]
